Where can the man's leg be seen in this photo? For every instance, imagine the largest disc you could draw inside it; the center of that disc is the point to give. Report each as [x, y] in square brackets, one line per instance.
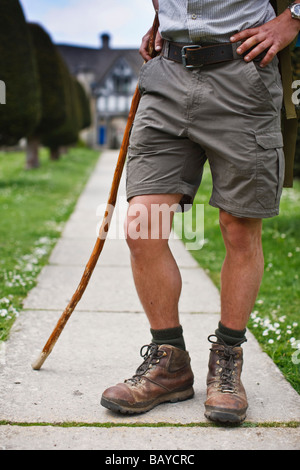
[156, 274]
[165, 374]
[241, 277]
[242, 270]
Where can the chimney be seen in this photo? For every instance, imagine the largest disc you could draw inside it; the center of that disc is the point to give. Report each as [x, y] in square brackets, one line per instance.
[105, 40]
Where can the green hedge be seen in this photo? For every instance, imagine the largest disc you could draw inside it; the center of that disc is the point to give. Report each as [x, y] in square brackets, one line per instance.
[22, 111]
[43, 100]
[68, 132]
[86, 118]
[51, 78]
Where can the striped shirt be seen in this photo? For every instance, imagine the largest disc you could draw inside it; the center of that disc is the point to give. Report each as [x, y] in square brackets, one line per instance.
[210, 21]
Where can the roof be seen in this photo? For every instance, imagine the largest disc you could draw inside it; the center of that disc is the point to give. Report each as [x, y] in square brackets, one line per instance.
[98, 61]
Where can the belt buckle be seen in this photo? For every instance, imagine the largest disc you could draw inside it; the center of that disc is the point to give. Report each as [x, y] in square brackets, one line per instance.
[184, 58]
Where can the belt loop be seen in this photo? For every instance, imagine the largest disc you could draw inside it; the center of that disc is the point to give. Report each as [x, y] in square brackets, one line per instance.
[165, 48]
[235, 45]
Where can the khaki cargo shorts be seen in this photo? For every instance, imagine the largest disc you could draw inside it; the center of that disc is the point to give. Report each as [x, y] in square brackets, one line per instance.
[228, 114]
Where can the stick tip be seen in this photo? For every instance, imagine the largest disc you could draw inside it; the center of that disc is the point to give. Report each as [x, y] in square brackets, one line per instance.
[39, 362]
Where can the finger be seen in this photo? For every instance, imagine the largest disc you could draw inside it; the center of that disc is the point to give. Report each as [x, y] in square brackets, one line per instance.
[242, 35]
[158, 42]
[146, 57]
[144, 53]
[269, 56]
[250, 43]
[144, 48]
[256, 51]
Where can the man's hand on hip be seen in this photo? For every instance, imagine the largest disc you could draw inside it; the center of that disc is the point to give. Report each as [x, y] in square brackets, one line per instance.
[271, 38]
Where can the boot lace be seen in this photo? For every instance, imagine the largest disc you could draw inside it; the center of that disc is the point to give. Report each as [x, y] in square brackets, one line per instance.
[151, 355]
[227, 357]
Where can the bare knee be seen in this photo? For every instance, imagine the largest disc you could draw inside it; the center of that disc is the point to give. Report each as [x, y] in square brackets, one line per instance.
[241, 235]
[148, 224]
[143, 248]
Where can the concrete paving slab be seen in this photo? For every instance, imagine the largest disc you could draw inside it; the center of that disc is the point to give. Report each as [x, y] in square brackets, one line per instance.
[76, 252]
[111, 291]
[83, 225]
[147, 439]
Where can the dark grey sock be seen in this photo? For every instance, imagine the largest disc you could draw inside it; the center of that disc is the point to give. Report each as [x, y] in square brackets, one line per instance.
[171, 336]
[229, 336]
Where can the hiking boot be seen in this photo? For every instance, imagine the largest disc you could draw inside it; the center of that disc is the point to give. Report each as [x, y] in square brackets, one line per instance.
[164, 376]
[226, 397]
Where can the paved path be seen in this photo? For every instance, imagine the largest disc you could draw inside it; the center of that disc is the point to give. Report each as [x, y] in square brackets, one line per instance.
[100, 346]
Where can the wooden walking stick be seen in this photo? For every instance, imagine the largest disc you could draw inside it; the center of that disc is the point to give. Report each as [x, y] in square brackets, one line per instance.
[105, 224]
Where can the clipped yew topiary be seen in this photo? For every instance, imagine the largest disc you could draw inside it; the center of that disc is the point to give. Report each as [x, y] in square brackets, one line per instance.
[22, 111]
[68, 132]
[53, 94]
[86, 118]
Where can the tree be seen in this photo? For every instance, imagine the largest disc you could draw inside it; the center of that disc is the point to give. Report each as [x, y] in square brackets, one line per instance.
[68, 132]
[86, 118]
[21, 113]
[53, 95]
[78, 117]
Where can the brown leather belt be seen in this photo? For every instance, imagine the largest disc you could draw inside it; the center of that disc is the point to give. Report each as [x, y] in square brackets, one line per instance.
[194, 55]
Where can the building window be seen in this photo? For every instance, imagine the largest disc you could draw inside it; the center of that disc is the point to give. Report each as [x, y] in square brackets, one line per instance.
[122, 84]
[122, 77]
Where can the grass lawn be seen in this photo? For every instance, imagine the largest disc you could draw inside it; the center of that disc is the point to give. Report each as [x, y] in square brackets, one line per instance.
[275, 319]
[34, 205]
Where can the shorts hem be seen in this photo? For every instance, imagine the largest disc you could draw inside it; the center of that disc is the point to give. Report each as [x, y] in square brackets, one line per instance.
[244, 212]
[153, 189]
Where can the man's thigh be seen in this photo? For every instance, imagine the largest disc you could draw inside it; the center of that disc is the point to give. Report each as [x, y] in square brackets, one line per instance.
[150, 216]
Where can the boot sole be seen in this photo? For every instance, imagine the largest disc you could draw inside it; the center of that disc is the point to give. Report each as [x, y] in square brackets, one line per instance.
[225, 416]
[124, 408]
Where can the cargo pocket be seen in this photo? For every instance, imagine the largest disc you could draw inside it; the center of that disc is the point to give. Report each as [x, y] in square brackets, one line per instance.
[270, 168]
